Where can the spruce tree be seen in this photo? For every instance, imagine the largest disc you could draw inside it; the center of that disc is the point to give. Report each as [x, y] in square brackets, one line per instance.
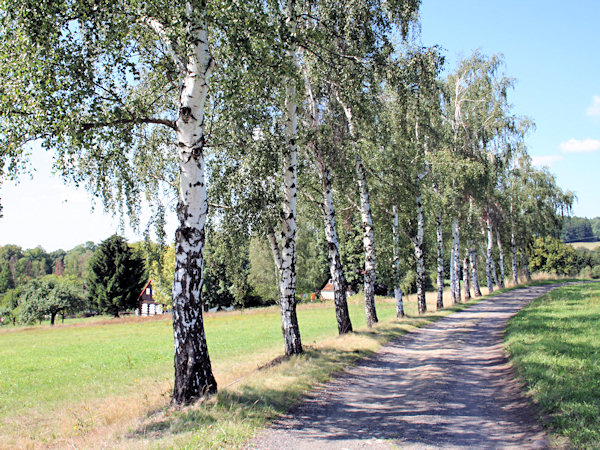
[115, 277]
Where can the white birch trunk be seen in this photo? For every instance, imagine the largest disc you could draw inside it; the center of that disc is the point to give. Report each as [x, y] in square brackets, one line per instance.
[367, 223]
[474, 275]
[456, 261]
[419, 257]
[287, 291]
[488, 256]
[368, 243]
[515, 269]
[452, 273]
[500, 260]
[336, 270]
[440, 262]
[193, 372]
[334, 260]
[398, 288]
[466, 284]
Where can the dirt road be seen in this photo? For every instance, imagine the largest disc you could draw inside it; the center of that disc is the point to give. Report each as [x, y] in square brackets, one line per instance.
[446, 385]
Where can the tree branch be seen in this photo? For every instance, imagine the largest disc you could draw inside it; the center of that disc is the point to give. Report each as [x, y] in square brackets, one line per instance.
[156, 121]
[159, 29]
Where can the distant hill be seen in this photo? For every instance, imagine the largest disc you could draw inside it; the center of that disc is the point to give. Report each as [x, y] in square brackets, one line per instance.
[581, 229]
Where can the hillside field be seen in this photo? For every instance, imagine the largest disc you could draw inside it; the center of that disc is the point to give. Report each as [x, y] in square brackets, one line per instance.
[586, 245]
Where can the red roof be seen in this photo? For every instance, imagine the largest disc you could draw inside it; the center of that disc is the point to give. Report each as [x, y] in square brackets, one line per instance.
[143, 290]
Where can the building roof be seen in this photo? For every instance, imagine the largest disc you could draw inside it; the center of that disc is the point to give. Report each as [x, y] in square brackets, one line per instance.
[144, 290]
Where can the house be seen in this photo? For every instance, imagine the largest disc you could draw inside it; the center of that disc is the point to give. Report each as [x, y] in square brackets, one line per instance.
[146, 304]
[327, 291]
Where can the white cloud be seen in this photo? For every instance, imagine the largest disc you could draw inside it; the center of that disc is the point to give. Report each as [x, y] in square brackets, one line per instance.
[580, 146]
[546, 160]
[594, 110]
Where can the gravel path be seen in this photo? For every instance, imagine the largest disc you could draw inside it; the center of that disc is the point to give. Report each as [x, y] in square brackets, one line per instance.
[446, 385]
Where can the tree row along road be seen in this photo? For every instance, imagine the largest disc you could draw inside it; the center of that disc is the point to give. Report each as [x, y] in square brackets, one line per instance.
[445, 385]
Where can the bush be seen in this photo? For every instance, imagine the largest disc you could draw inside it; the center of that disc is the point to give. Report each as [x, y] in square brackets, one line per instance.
[586, 272]
[596, 272]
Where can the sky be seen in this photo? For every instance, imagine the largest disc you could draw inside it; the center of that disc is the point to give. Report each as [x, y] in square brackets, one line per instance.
[550, 48]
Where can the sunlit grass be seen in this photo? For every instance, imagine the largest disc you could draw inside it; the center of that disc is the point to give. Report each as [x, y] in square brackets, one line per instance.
[555, 345]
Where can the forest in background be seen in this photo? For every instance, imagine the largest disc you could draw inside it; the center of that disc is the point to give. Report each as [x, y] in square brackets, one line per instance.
[581, 229]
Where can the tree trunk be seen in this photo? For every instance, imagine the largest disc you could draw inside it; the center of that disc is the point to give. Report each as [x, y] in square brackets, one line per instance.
[474, 275]
[398, 288]
[501, 259]
[456, 298]
[440, 262]
[418, 243]
[525, 263]
[452, 275]
[193, 372]
[287, 291]
[488, 256]
[336, 270]
[52, 317]
[368, 243]
[466, 284]
[515, 268]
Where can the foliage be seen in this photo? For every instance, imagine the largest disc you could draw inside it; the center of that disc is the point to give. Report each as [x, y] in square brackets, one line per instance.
[162, 273]
[580, 229]
[49, 296]
[554, 344]
[115, 278]
[551, 255]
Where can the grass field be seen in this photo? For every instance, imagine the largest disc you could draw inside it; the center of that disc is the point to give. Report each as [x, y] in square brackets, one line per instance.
[586, 245]
[554, 344]
[105, 383]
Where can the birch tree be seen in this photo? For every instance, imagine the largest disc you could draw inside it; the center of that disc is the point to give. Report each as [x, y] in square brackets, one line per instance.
[109, 87]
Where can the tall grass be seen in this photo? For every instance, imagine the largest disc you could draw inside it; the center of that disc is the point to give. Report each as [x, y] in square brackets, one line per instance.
[554, 344]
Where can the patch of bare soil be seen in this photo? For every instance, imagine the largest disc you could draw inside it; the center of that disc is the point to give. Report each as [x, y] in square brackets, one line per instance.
[447, 385]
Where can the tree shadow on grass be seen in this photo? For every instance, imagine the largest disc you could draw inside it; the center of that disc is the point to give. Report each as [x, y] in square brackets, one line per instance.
[271, 392]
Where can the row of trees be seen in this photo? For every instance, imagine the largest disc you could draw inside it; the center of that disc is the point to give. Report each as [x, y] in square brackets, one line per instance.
[137, 98]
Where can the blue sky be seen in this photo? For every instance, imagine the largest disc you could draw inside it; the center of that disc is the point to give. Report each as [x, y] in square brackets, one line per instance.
[549, 47]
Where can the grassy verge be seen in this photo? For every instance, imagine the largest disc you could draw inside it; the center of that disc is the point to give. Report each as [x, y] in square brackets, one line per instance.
[554, 344]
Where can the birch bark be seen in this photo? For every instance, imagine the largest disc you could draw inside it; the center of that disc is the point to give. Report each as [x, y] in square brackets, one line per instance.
[398, 288]
[488, 255]
[466, 284]
[336, 270]
[418, 244]
[287, 291]
[334, 260]
[440, 262]
[474, 275]
[193, 372]
[515, 269]
[368, 243]
[456, 261]
[367, 223]
[501, 259]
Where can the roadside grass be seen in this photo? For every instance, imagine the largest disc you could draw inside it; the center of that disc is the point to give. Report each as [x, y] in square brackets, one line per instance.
[554, 344]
